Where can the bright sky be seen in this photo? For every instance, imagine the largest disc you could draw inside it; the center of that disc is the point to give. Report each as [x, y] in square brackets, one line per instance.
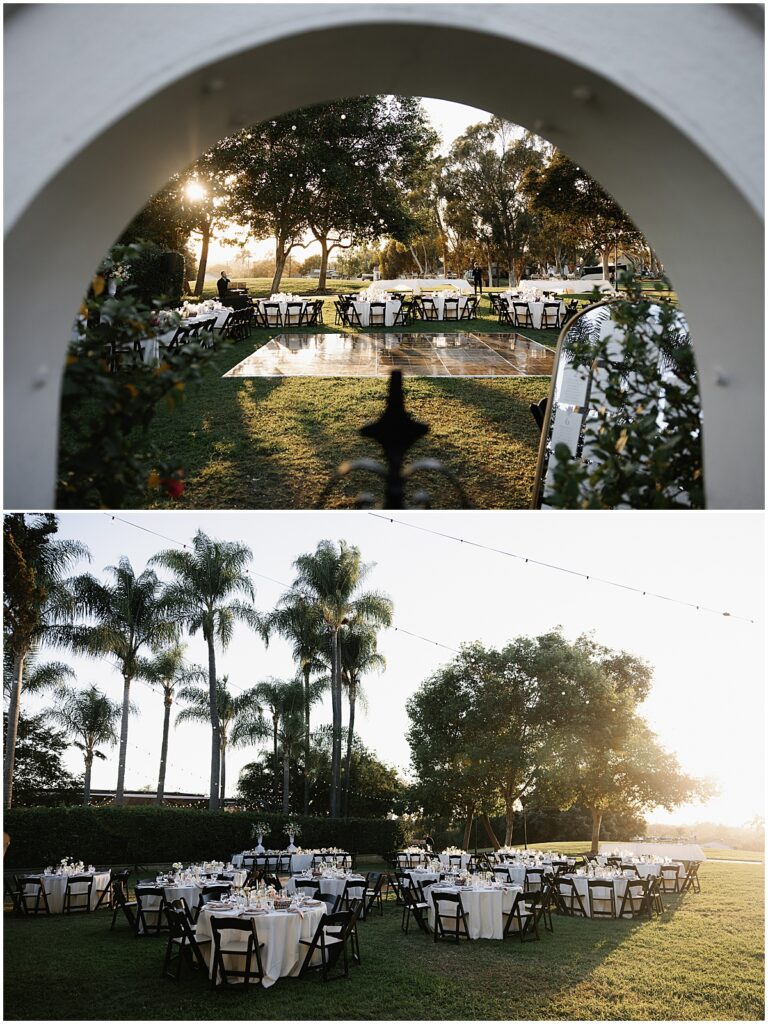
[449, 119]
[707, 700]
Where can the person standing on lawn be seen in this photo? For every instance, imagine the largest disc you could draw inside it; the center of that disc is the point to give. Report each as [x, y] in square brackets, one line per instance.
[477, 278]
[223, 285]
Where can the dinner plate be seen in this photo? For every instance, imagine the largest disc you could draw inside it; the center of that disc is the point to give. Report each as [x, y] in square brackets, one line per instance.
[312, 903]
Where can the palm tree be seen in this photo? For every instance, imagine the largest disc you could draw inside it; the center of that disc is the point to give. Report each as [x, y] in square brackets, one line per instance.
[299, 621]
[92, 716]
[240, 718]
[167, 669]
[37, 600]
[358, 655]
[290, 731]
[331, 578]
[270, 694]
[207, 578]
[129, 614]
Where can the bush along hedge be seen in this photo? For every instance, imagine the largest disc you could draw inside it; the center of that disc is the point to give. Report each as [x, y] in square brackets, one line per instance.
[147, 835]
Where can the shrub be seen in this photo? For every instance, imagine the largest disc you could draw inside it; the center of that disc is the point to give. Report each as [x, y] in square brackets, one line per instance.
[145, 835]
[157, 274]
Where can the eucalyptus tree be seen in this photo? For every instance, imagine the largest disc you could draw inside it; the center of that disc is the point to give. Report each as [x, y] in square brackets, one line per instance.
[204, 594]
[332, 578]
[241, 719]
[358, 656]
[299, 621]
[168, 671]
[38, 603]
[127, 615]
[91, 717]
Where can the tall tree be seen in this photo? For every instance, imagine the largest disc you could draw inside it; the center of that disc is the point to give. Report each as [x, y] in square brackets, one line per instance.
[203, 595]
[300, 622]
[168, 671]
[358, 657]
[336, 170]
[483, 185]
[332, 578]
[241, 720]
[128, 615]
[562, 188]
[290, 731]
[91, 717]
[38, 601]
[40, 777]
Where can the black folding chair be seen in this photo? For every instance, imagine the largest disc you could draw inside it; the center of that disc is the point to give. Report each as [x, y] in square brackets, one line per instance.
[34, 898]
[129, 908]
[458, 916]
[634, 902]
[601, 897]
[691, 880]
[414, 903]
[469, 312]
[378, 314]
[450, 309]
[77, 895]
[521, 919]
[221, 925]
[330, 940]
[271, 314]
[182, 944]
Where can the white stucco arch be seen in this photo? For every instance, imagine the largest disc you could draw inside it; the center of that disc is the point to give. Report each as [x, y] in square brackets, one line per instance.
[104, 102]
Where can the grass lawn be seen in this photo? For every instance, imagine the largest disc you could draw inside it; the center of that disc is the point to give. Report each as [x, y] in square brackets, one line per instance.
[702, 960]
[274, 443]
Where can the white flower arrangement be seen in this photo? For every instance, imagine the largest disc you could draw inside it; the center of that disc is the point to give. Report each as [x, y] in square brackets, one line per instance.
[454, 850]
[177, 865]
[260, 828]
[291, 828]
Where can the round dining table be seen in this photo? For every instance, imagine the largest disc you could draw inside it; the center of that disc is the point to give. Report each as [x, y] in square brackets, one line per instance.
[484, 906]
[55, 885]
[535, 307]
[329, 885]
[279, 930]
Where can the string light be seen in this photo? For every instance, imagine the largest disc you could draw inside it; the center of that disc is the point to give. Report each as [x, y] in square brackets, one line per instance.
[562, 568]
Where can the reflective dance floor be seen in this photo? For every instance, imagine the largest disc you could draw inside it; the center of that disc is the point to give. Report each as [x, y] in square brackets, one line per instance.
[416, 354]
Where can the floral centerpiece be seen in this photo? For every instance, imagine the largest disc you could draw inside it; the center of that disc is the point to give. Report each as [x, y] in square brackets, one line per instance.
[291, 829]
[454, 850]
[258, 830]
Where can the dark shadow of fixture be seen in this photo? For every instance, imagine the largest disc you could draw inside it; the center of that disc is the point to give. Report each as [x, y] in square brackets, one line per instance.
[396, 431]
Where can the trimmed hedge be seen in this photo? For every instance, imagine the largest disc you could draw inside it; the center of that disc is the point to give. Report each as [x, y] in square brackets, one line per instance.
[141, 835]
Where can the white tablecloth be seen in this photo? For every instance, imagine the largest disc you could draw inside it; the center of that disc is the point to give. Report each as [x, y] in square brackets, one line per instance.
[364, 311]
[299, 861]
[283, 304]
[536, 308]
[419, 875]
[411, 284]
[55, 887]
[439, 301]
[280, 931]
[150, 347]
[328, 886]
[444, 859]
[675, 851]
[484, 908]
[190, 891]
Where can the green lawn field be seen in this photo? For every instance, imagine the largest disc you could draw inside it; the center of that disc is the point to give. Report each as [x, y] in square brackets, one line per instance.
[702, 960]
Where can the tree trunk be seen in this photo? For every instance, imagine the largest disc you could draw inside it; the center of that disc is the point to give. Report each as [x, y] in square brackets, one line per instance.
[213, 799]
[510, 820]
[119, 798]
[490, 273]
[203, 265]
[336, 735]
[306, 739]
[87, 780]
[468, 827]
[323, 266]
[281, 257]
[604, 259]
[275, 758]
[597, 819]
[223, 776]
[511, 276]
[348, 765]
[489, 831]
[416, 259]
[164, 749]
[12, 729]
[286, 778]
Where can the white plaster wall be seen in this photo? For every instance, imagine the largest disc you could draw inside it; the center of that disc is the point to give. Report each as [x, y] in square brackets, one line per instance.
[105, 102]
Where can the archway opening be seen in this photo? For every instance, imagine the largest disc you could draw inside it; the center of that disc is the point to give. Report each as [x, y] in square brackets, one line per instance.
[604, 125]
